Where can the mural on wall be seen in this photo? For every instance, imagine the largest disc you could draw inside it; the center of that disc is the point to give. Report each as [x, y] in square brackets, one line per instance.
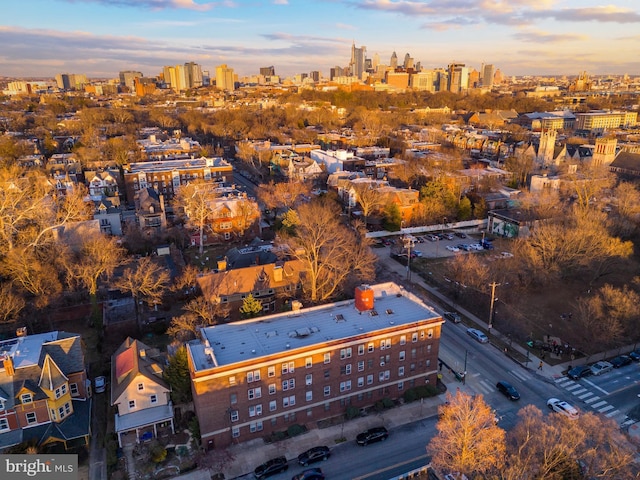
[504, 229]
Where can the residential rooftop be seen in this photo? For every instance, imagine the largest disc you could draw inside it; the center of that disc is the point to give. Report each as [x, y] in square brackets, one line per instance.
[231, 343]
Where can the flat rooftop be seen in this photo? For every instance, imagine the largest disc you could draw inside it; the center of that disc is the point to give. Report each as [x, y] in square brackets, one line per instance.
[25, 351]
[251, 339]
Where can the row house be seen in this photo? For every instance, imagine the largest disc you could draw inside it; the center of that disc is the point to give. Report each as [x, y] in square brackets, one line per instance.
[256, 377]
[140, 394]
[274, 285]
[166, 177]
[156, 148]
[232, 217]
[103, 184]
[44, 391]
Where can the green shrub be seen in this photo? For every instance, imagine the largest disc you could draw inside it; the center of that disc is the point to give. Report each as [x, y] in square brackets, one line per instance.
[295, 430]
[352, 412]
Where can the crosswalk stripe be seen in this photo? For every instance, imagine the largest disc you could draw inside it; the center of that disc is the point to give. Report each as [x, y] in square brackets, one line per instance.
[606, 409]
[563, 382]
[629, 421]
[611, 414]
[592, 399]
[578, 392]
[599, 404]
[585, 395]
[520, 375]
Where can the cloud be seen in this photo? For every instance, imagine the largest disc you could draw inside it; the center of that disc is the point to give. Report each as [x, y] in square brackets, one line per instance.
[344, 26]
[609, 13]
[162, 4]
[545, 37]
[280, 2]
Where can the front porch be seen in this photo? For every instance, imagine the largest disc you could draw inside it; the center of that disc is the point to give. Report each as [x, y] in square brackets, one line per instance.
[145, 425]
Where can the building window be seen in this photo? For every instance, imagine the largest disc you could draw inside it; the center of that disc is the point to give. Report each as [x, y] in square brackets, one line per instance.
[361, 349]
[327, 373]
[414, 337]
[132, 404]
[386, 343]
[253, 376]
[74, 389]
[31, 418]
[255, 410]
[401, 371]
[233, 398]
[271, 371]
[327, 391]
[369, 379]
[403, 339]
[308, 362]
[232, 380]
[234, 415]
[140, 386]
[272, 388]
[255, 427]
[289, 401]
[360, 381]
[287, 368]
[26, 398]
[235, 432]
[345, 353]
[288, 384]
[4, 424]
[153, 399]
[308, 379]
[308, 396]
[430, 333]
[345, 386]
[327, 358]
[370, 347]
[254, 393]
[361, 366]
[273, 405]
[400, 385]
[61, 412]
[401, 355]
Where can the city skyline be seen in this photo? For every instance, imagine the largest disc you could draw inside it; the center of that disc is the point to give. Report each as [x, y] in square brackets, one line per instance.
[99, 38]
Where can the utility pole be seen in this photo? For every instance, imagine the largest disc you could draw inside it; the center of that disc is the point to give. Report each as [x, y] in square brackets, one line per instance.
[408, 243]
[493, 286]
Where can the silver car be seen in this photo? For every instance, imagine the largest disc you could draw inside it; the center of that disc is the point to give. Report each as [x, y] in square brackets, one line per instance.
[477, 335]
[599, 368]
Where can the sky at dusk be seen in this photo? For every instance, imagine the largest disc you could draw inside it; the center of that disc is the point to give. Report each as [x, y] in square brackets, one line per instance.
[40, 38]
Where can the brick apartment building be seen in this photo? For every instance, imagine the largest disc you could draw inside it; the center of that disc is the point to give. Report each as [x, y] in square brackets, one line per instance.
[259, 376]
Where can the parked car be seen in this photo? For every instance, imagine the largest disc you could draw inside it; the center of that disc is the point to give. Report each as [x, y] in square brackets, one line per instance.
[463, 246]
[271, 467]
[486, 244]
[453, 316]
[452, 248]
[621, 361]
[599, 368]
[508, 390]
[476, 246]
[635, 355]
[375, 434]
[313, 455]
[562, 407]
[309, 474]
[461, 235]
[477, 335]
[99, 384]
[579, 371]
[448, 236]
[431, 238]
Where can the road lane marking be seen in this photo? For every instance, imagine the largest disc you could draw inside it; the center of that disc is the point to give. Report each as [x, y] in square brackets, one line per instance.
[370, 474]
[596, 386]
[599, 404]
[585, 395]
[606, 409]
[593, 399]
[578, 392]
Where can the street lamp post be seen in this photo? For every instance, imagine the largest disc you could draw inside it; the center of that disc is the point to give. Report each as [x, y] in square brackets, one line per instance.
[464, 377]
[408, 243]
[493, 300]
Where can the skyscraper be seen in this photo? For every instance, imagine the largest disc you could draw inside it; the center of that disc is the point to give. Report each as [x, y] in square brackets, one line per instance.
[357, 63]
[127, 78]
[487, 75]
[225, 78]
[193, 75]
[268, 71]
[394, 61]
[458, 77]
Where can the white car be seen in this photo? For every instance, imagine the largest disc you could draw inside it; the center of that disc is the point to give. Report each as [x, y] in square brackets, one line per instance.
[476, 246]
[562, 407]
[477, 335]
[452, 248]
[599, 368]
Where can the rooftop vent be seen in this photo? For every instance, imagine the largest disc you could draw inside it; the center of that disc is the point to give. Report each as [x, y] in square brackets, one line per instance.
[389, 311]
[339, 317]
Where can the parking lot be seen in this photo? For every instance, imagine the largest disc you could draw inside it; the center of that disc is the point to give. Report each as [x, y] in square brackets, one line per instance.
[446, 244]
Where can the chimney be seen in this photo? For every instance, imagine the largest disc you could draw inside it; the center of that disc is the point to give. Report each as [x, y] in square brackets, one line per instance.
[21, 332]
[364, 298]
[8, 366]
[222, 264]
[296, 305]
[277, 273]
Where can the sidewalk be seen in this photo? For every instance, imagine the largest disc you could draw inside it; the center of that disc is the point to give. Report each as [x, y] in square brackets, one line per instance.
[248, 455]
[436, 298]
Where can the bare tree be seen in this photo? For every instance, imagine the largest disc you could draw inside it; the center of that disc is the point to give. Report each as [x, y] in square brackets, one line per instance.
[11, 304]
[147, 282]
[331, 252]
[369, 198]
[195, 200]
[467, 271]
[588, 183]
[468, 440]
[283, 195]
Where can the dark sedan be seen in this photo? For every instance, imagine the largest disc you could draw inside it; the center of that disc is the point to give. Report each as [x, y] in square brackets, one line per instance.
[621, 361]
[508, 390]
[635, 355]
[310, 474]
[313, 455]
[376, 434]
[271, 467]
[579, 371]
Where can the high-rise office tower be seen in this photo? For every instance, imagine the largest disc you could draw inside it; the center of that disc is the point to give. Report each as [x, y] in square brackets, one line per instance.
[394, 61]
[408, 61]
[127, 78]
[458, 77]
[268, 71]
[71, 81]
[225, 78]
[357, 64]
[193, 75]
[375, 61]
[315, 75]
[487, 75]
